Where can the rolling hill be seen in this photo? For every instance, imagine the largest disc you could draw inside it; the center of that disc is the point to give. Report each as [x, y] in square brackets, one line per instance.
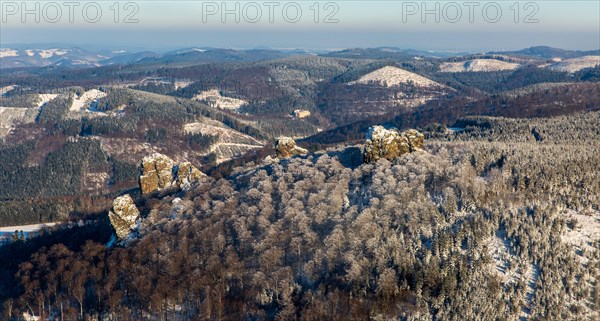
[390, 76]
[478, 65]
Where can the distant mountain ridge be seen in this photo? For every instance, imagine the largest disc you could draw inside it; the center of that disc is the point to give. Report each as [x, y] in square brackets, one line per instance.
[37, 57]
[198, 55]
[547, 52]
[387, 52]
[43, 55]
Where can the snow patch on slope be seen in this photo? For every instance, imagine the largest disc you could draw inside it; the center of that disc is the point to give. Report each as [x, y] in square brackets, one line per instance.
[47, 53]
[230, 143]
[214, 99]
[224, 134]
[575, 64]
[10, 116]
[510, 269]
[7, 52]
[86, 100]
[478, 65]
[7, 232]
[389, 76]
[25, 228]
[45, 98]
[4, 90]
[583, 232]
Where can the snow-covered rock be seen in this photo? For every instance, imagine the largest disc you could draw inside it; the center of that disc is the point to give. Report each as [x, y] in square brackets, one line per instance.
[157, 173]
[186, 174]
[390, 144]
[286, 147]
[160, 172]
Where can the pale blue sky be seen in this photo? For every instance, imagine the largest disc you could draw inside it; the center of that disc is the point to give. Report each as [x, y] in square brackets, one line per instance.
[171, 24]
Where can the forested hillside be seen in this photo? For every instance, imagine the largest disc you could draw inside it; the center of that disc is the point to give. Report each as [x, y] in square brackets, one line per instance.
[71, 160]
[540, 101]
[495, 220]
[497, 217]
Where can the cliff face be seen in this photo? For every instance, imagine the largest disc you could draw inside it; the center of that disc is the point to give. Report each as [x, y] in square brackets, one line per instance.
[286, 147]
[390, 144]
[160, 172]
[157, 173]
[186, 173]
[123, 216]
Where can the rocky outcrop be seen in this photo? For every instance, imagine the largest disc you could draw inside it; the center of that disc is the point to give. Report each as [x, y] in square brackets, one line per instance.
[187, 173]
[286, 147]
[157, 173]
[160, 172]
[123, 216]
[390, 144]
[415, 139]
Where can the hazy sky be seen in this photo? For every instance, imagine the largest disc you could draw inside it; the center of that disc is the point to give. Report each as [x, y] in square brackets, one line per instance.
[430, 25]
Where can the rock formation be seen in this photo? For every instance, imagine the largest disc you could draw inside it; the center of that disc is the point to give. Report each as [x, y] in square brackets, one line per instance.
[389, 143]
[160, 172]
[123, 216]
[186, 173]
[286, 147]
[415, 139]
[157, 173]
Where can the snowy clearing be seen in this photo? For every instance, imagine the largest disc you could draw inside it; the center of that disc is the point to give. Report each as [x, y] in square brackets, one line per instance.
[47, 53]
[584, 232]
[478, 65]
[214, 99]
[10, 116]
[229, 144]
[392, 76]
[44, 98]
[224, 134]
[575, 64]
[4, 90]
[86, 100]
[7, 52]
[25, 228]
